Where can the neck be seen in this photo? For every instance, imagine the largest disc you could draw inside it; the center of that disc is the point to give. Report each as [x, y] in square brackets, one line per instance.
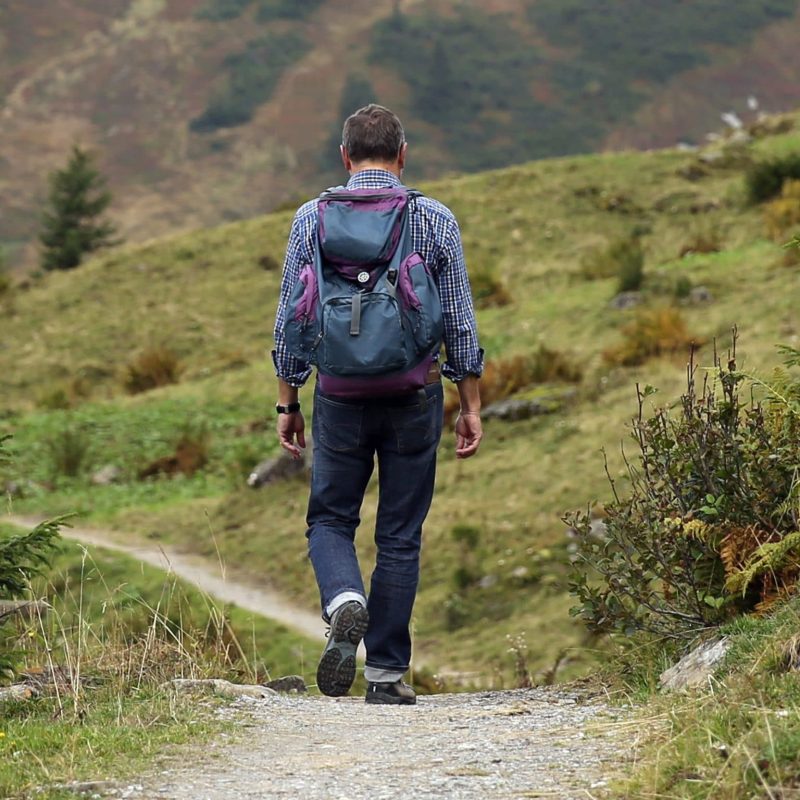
[394, 167]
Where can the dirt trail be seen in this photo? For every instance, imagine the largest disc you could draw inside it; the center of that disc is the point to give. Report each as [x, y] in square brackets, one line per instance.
[484, 746]
[259, 600]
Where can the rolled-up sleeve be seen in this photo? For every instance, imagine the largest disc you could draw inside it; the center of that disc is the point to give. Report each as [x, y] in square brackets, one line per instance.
[464, 355]
[287, 367]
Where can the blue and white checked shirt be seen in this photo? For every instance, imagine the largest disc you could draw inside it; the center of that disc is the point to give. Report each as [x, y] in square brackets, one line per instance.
[436, 237]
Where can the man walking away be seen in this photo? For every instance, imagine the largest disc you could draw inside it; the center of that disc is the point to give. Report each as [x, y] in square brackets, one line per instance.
[355, 421]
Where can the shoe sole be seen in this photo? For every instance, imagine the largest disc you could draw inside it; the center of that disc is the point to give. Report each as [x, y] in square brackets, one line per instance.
[379, 699]
[337, 667]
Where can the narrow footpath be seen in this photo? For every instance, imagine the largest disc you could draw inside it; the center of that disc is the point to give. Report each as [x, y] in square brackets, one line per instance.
[196, 571]
[536, 743]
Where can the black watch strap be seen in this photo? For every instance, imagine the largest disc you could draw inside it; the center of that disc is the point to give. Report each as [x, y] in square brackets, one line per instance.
[290, 409]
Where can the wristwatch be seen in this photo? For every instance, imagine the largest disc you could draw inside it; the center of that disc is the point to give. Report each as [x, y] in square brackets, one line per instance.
[290, 409]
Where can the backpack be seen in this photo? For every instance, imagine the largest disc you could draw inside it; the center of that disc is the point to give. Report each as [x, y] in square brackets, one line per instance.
[367, 312]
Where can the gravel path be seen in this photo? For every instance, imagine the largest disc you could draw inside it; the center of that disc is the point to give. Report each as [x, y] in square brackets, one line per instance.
[515, 744]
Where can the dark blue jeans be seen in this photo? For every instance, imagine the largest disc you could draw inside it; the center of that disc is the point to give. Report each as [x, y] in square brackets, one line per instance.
[404, 434]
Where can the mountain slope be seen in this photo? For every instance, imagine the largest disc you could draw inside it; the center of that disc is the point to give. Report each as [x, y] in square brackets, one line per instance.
[532, 230]
[135, 80]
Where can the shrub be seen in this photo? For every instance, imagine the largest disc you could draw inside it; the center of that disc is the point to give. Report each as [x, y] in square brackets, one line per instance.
[710, 527]
[765, 179]
[783, 212]
[704, 239]
[652, 332]
[792, 254]
[467, 539]
[683, 287]
[505, 377]
[5, 278]
[154, 367]
[190, 455]
[269, 263]
[487, 289]
[623, 258]
[251, 78]
[68, 450]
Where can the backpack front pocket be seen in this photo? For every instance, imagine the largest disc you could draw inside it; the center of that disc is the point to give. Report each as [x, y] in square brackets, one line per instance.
[362, 334]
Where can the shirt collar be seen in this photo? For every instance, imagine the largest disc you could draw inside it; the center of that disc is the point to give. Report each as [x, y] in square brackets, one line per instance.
[373, 179]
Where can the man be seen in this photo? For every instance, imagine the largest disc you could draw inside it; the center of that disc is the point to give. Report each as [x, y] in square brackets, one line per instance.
[402, 431]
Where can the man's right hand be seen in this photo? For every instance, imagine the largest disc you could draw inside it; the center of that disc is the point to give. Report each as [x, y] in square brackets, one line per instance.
[469, 433]
[291, 427]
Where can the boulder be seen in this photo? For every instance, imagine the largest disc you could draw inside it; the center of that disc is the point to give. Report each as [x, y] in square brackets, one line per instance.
[700, 296]
[281, 467]
[289, 684]
[513, 410]
[696, 667]
[222, 687]
[625, 300]
[107, 475]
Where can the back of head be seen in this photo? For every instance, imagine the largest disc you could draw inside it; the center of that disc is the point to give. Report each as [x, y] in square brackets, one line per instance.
[373, 133]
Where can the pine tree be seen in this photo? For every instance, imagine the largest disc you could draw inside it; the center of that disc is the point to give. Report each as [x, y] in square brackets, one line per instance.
[72, 225]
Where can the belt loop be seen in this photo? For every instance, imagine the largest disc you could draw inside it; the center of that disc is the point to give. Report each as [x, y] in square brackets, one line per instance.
[423, 401]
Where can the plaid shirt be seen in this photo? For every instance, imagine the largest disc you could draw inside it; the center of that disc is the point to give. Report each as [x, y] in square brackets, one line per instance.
[436, 237]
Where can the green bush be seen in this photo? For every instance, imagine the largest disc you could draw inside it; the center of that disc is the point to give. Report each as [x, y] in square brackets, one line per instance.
[630, 257]
[251, 78]
[623, 258]
[68, 450]
[765, 179]
[21, 557]
[222, 10]
[710, 526]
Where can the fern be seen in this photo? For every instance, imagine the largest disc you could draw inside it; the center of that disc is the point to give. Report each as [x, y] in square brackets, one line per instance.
[769, 558]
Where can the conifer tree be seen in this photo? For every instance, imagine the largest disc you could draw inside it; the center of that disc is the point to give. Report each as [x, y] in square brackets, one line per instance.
[72, 224]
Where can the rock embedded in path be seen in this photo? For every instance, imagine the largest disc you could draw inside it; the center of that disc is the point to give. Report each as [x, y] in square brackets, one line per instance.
[289, 684]
[696, 667]
[222, 687]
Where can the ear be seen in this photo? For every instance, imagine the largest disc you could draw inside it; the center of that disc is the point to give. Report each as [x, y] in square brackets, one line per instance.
[348, 164]
[401, 156]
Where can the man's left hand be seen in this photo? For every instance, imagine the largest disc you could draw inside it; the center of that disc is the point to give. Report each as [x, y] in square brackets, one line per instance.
[292, 427]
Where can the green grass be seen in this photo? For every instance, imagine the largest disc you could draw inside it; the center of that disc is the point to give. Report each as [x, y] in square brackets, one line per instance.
[207, 297]
[128, 629]
[737, 739]
[116, 737]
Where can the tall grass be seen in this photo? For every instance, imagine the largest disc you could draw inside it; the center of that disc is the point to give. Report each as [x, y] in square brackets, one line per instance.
[101, 662]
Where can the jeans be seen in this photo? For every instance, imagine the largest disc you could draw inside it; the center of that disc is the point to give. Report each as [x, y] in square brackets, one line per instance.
[404, 433]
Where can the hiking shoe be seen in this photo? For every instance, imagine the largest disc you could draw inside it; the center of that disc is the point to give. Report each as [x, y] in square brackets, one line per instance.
[392, 694]
[337, 666]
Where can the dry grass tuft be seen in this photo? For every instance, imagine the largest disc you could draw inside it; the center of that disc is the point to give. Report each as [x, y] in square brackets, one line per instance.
[653, 332]
[505, 377]
[487, 289]
[783, 213]
[154, 367]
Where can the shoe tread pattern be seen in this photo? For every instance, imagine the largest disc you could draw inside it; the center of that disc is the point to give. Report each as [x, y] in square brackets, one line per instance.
[337, 667]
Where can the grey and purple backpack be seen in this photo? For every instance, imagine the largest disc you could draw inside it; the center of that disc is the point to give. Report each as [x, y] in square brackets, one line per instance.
[367, 312]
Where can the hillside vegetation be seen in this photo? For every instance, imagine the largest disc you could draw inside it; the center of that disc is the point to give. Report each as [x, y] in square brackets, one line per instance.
[100, 663]
[206, 111]
[493, 603]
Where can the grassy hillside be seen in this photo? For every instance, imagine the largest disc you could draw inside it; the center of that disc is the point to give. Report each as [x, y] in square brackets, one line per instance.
[536, 238]
[117, 633]
[205, 111]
